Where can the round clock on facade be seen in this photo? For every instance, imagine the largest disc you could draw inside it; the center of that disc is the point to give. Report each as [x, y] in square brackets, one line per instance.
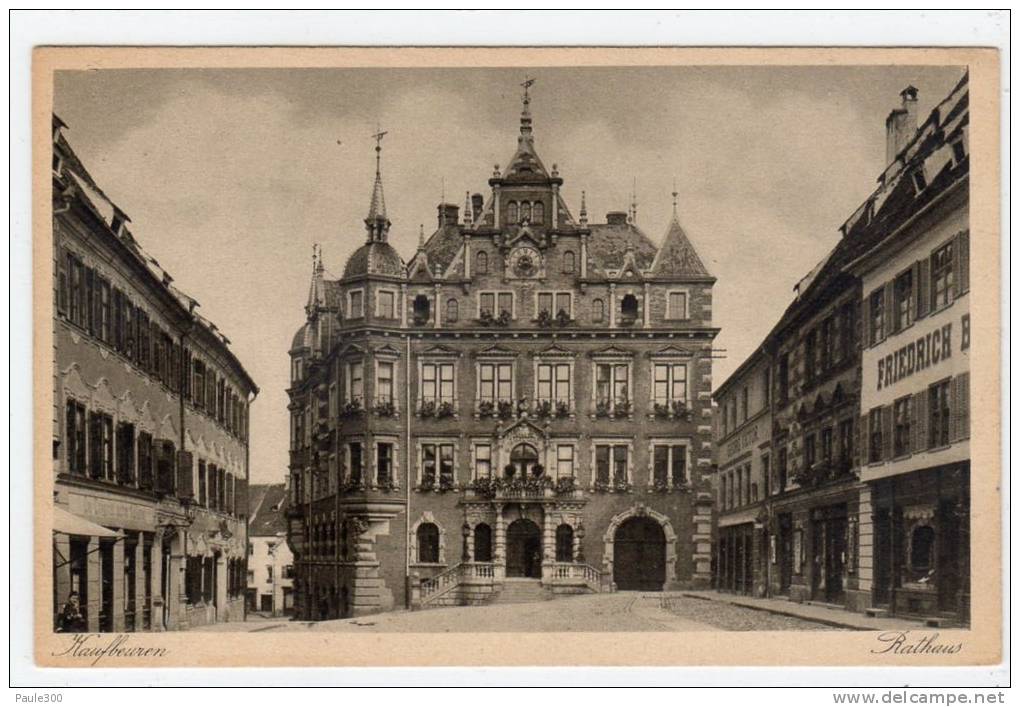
[525, 262]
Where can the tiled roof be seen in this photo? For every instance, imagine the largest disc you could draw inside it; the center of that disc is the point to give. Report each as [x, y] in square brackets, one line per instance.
[375, 258]
[676, 256]
[609, 243]
[442, 246]
[266, 506]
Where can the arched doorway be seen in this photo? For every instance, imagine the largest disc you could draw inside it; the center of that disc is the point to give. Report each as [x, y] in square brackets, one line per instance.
[523, 458]
[483, 543]
[639, 555]
[523, 549]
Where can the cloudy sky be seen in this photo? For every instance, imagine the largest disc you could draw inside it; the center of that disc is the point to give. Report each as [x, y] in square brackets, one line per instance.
[230, 176]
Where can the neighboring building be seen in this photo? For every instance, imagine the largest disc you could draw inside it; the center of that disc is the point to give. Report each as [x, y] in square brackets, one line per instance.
[915, 400]
[743, 439]
[150, 429]
[868, 491]
[526, 402]
[270, 562]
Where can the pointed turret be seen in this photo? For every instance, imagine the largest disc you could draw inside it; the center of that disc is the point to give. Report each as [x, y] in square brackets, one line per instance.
[377, 224]
[583, 214]
[676, 256]
[317, 288]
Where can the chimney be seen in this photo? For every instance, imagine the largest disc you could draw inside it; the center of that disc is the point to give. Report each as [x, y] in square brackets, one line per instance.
[616, 218]
[477, 202]
[901, 124]
[448, 214]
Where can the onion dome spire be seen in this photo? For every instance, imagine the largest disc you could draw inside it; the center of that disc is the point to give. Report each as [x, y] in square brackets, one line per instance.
[377, 223]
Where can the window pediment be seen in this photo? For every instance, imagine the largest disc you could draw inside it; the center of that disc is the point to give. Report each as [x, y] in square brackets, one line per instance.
[496, 352]
[671, 352]
[554, 351]
[611, 352]
[438, 351]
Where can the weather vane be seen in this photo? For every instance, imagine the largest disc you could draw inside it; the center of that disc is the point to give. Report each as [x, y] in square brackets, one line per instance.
[528, 83]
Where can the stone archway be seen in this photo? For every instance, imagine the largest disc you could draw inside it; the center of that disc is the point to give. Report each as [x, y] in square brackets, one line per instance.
[668, 536]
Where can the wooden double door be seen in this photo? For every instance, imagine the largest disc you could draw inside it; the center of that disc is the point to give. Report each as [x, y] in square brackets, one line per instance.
[639, 556]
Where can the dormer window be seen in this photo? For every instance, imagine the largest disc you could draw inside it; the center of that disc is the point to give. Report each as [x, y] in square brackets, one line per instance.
[355, 304]
[568, 262]
[422, 309]
[482, 263]
[511, 212]
[628, 309]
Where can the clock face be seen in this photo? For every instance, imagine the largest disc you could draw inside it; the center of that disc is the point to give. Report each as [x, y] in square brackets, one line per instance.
[525, 262]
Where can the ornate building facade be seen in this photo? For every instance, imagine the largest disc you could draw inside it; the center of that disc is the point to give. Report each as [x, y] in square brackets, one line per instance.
[150, 430]
[523, 406]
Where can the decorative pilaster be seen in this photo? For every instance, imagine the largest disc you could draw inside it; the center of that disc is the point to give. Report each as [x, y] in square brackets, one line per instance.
[403, 306]
[646, 306]
[548, 544]
[118, 588]
[94, 584]
[499, 546]
[612, 306]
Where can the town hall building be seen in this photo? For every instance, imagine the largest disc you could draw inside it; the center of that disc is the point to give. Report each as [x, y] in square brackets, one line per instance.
[520, 409]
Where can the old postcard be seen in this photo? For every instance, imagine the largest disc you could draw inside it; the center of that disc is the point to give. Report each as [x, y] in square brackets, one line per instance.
[359, 357]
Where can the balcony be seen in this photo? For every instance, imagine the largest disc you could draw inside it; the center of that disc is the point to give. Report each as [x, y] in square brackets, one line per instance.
[535, 488]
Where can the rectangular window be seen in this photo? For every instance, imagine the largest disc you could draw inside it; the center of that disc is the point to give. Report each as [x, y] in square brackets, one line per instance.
[612, 383]
[669, 464]
[436, 464]
[903, 300]
[563, 303]
[846, 441]
[938, 408]
[505, 301]
[487, 304]
[75, 439]
[356, 378]
[100, 446]
[811, 357]
[810, 451]
[385, 308]
[826, 437]
[495, 381]
[677, 305]
[669, 383]
[782, 469]
[901, 427]
[357, 462]
[125, 453]
[384, 463]
[203, 499]
[446, 476]
[828, 328]
[875, 435]
[619, 464]
[564, 461]
[384, 381]
[602, 452]
[554, 382]
[357, 305]
[483, 461]
[766, 474]
[437, 382]
[745, 404]
[942, 276]
[428, 465]
[876, 307]
[545, 303]
[784, 379]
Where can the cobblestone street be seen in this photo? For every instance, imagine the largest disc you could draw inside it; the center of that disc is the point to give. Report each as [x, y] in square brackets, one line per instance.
[620, 611]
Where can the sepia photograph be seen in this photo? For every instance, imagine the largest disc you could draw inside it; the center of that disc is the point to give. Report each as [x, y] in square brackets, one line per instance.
[445, 356]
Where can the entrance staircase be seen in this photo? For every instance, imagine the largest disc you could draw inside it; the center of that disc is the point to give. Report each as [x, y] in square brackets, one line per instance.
[521, 590]
[471, 583]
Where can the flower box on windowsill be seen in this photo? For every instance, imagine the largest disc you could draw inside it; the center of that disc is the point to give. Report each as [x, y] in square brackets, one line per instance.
[352, 409]
[385, 408]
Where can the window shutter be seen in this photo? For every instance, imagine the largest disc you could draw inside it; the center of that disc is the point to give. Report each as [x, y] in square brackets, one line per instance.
[887, 432]
[962, 263]
[866, 321]
[185, 475]
[864, 441]
[912, 421]
[959, 405]
[164, 468]
[919, 423]
[923, 287]
[241, 497]
[890, 310]
[62, 282]
[915, 284]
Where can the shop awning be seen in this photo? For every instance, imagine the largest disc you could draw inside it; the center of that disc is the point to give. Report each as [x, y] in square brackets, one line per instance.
[70, 524]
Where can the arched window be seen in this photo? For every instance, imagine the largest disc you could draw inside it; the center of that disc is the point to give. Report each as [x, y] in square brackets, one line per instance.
[564, 543]
[428, 543]
[452, 310]
[482, 263]
[524, 458]
[525, 212]
[538, 212]
[422, 308]
[511, 213]
[629, 309]
[568, 261]
[483, 543]
[598, 310]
